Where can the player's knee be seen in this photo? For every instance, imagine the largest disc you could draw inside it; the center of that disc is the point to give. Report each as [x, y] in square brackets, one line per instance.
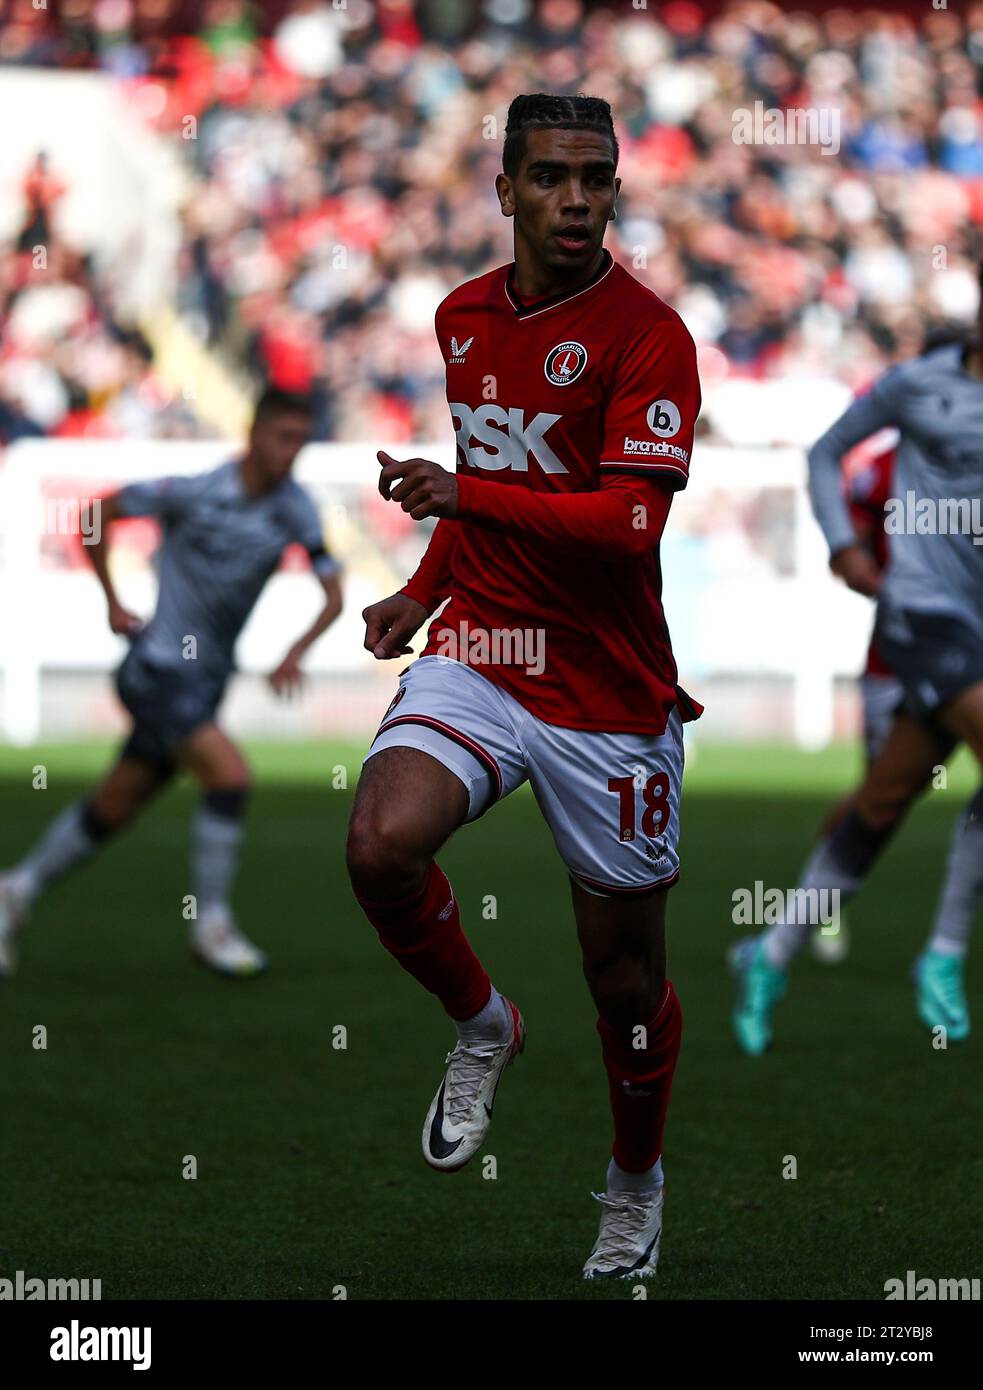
[225, 781]
[221, 770]
[232, 776]
[625, 989]
[112, 807]
[381, 852]
[883, 806]
[104, 815]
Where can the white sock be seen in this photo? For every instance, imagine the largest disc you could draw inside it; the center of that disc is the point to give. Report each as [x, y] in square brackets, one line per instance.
[63, 845]
[785, 939]
[643, 1184]
[22, 885]
[216, 842]
[840, 863]
[493, 1023]
[963, 887]
[942, 947]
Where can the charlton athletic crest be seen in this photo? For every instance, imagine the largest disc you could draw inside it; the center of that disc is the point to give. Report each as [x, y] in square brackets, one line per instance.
[565, 363]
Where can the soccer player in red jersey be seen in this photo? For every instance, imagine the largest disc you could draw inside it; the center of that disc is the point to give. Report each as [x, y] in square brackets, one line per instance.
[574, 395]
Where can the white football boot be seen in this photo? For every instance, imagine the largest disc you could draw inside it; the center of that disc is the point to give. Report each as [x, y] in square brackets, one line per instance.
[627, 1245]
[460, 1114]
[13, 915]
[217, 942]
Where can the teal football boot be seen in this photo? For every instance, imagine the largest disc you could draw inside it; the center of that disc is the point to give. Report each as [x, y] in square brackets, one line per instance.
[760, 985]
[939, 994]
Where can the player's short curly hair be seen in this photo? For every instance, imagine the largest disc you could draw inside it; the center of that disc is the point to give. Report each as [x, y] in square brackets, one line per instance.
[540, 110]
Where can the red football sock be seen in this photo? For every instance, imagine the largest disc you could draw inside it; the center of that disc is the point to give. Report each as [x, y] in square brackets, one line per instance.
[640, 1082]
[424, 933]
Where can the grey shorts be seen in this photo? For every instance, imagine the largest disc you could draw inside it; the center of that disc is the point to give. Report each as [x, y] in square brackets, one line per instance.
[935, 656]
[167, 704]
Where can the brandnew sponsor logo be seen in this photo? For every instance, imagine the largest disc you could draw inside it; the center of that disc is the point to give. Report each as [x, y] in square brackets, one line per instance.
[656, 446]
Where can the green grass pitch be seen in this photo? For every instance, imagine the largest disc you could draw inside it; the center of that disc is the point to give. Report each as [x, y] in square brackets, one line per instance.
[309, 1170]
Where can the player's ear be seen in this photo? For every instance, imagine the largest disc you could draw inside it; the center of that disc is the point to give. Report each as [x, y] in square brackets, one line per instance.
[503, 187]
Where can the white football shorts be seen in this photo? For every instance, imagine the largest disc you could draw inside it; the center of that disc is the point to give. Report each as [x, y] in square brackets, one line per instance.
[611, 800]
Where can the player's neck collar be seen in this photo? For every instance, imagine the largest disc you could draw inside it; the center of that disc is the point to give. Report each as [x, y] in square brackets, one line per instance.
[524, 311]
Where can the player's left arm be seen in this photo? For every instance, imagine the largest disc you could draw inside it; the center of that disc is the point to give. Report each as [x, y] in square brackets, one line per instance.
[621, 518]
[876, 409]
[648, 436]
[288, 677]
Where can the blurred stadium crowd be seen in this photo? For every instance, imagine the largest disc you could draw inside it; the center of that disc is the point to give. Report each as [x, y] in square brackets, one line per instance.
[342, 164]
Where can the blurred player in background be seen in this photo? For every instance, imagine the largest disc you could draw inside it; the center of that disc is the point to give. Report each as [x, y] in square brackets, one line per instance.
[868, 488]
[223, 536]
[929, 632]
[574, 396]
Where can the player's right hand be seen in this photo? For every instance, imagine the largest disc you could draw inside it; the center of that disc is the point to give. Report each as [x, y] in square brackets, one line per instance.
[122, 621]
[858, 570]
[389, 625]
